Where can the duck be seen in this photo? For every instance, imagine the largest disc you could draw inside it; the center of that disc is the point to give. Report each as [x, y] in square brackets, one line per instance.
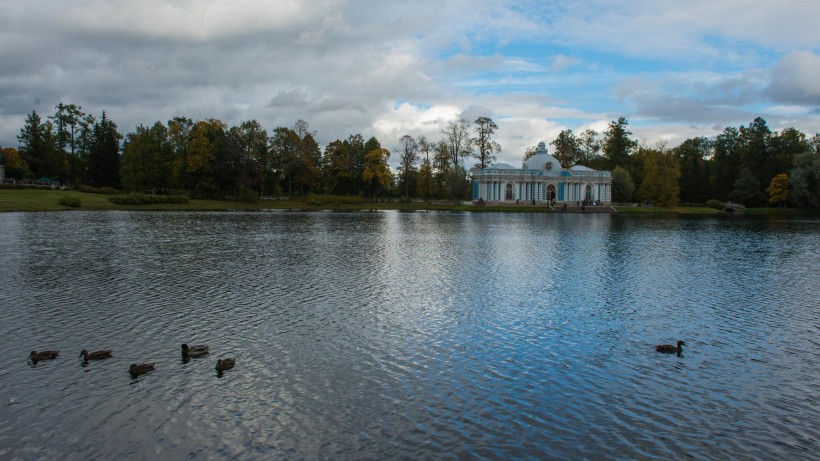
[194, 351]
[43, 355]
[95, 355]
[225, 364]
[140, 368]
[670, 349]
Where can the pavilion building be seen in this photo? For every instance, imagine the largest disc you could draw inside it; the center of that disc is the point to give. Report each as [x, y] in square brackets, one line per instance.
[541, 180]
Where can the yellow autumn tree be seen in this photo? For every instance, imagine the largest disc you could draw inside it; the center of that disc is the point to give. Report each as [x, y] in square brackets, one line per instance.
[779, 190]
[376, 175]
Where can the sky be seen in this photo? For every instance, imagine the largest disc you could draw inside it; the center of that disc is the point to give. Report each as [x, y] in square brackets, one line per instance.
[385, 69]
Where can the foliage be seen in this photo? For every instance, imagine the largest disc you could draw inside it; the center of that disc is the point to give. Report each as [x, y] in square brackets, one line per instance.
[746, 189]
[567, 148]
[617, 145]
[716, 204]
[247, 195]
[805, 180]
[622, 185]
[779, 190]
[99, 190]
[376, 176]
[407, 161]
[484, 129]
[660, 183]
[73, 202]
[142, 199]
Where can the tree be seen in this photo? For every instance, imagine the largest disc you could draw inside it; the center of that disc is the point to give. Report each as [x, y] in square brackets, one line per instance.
[284, 149]
[617, 145]
[407, 161]
[805, 180]
[337, 169]
[528, 153]
[660, 178]
[38, 148]
[588, 146]
[725, 163]
[456, 137]
[694, 180]
[622, 185]
[441, 168]
[67, 122]
[15, 166]
[746, 189]
[104, 156]
[567, 148]
[484, 130]
[147, 159]
[779, 190]
[377, 176]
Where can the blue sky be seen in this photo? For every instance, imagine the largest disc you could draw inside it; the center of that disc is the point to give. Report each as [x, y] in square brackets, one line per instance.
[392, 68]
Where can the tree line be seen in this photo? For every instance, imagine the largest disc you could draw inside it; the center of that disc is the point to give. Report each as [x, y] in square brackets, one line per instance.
[749, 164]
[206, 158]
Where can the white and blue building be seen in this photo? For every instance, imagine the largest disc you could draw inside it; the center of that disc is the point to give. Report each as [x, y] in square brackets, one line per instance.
[541, 180]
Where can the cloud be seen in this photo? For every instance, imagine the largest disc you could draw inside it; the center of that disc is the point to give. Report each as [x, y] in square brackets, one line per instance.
[794, 79]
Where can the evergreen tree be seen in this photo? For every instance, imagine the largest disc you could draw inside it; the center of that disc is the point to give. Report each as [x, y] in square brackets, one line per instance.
[104, 154]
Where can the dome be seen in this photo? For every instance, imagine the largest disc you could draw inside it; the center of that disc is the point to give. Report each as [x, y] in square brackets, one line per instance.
[500, 166]
[542, 160]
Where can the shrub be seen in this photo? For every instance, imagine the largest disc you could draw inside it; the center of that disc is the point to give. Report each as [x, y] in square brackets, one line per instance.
[716, 204]
[73, 202]
[248, 195]
[99, 190]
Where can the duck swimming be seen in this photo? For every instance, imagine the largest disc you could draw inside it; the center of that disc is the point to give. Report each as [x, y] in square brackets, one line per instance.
[43, 355]
[95, 355]
[670, 349]
[194, 351]
[225, 364]
[140, 368]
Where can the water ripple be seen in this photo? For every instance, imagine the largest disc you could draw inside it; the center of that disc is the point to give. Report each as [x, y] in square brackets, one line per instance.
[409, 336]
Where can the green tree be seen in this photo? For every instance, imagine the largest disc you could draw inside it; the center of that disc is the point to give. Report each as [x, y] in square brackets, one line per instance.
[805, 180]
[694, 179]
[486, 147]
[746, 189]
[67, 121]
[337, 170]
[104, 156]
[617, 145]
[589, 146]
[622, 185]
[441, 168]
[725, 163]
[38, 147]
[147, 159]
[779, 190]
[567, 148]
[660, 178]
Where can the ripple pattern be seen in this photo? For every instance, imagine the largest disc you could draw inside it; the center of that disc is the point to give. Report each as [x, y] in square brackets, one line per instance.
[391, 335]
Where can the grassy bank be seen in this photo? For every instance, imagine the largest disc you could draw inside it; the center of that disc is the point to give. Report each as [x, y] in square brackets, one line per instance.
[49, 200]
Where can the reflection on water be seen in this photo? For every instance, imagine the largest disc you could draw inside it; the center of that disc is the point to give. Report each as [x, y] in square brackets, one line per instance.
[409, 336]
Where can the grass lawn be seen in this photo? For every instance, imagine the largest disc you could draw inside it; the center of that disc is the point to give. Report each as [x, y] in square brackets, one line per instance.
[49, 200]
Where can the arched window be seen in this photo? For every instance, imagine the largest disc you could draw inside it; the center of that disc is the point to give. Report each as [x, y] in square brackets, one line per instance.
[550, 193]
[509, 194]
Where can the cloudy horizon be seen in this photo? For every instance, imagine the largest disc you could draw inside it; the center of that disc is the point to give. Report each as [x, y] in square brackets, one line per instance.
[388, 69]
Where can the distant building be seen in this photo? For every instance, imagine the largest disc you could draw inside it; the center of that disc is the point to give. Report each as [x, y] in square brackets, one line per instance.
[542, 180]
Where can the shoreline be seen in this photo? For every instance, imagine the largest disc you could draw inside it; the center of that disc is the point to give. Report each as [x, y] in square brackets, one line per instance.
[32, 200]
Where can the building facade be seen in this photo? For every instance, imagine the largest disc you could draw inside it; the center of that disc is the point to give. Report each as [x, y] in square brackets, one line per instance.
[541, 180]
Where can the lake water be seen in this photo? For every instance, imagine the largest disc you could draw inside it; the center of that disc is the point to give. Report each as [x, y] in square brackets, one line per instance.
[392, 335]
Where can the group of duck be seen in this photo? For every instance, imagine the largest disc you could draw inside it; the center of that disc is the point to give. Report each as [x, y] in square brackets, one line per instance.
[137, 369]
